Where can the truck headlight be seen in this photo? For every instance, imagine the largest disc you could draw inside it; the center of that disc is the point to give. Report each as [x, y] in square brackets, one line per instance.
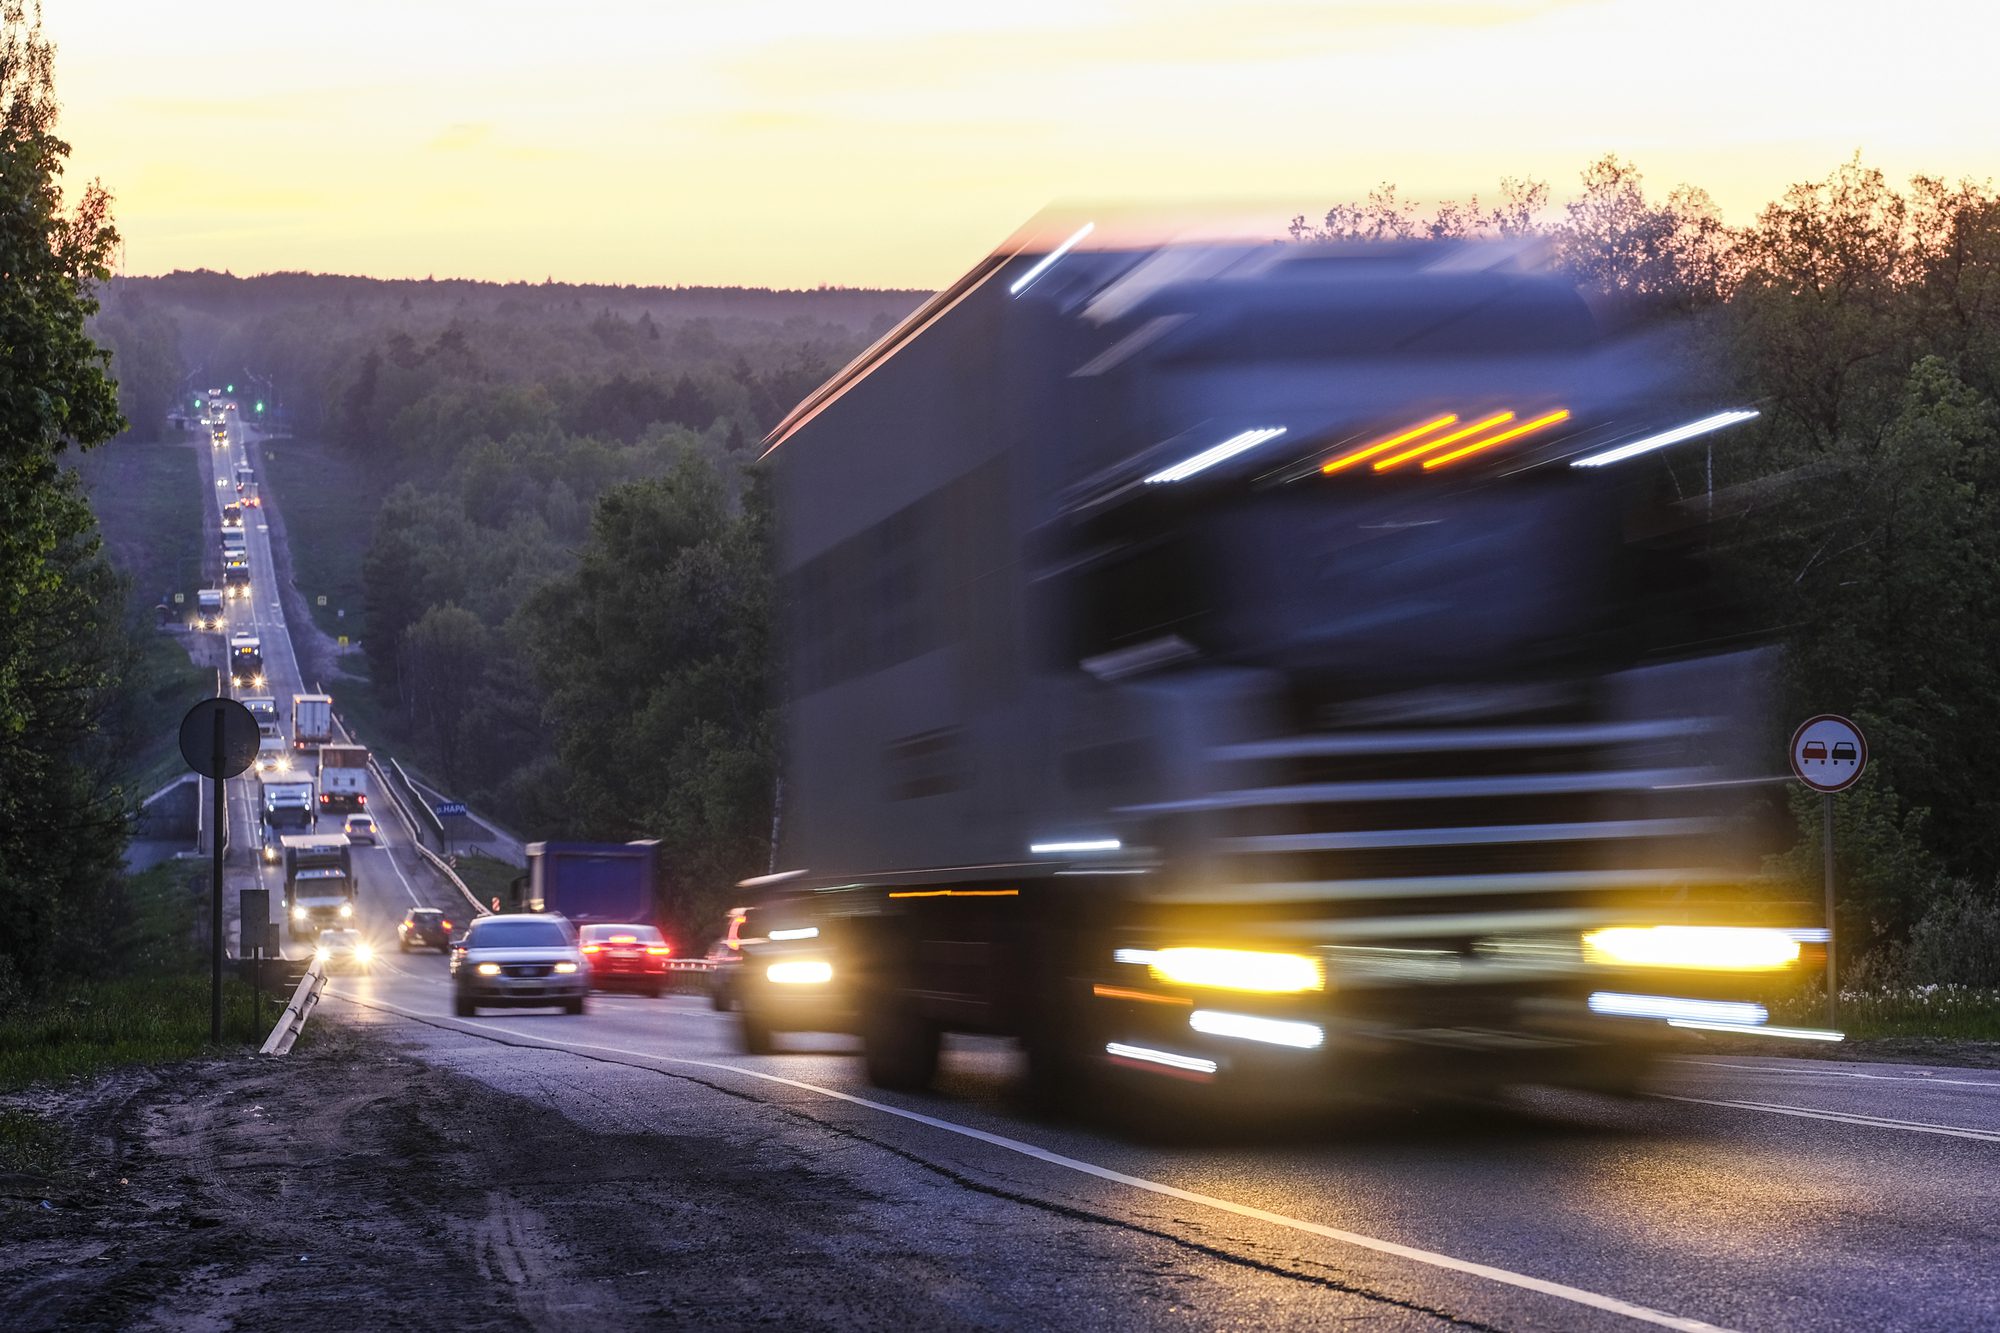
[299, 914]
[346, 910]
[1702, 948]
[1231, 969]
[364, 953]
[800, 972]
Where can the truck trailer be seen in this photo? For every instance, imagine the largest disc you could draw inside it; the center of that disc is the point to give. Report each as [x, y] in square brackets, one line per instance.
[343, 778]
[1261, 666]
[312, 720]
[615, 882]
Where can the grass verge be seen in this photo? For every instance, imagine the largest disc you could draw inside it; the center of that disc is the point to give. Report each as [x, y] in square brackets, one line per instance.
[488, 878]
[148, 499]
[93, 1026]
[1934, 1012]
[329, 502]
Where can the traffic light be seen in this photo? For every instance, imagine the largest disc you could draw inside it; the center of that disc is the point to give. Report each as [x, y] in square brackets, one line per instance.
[260, 404]
[230, 388]
[197, 402]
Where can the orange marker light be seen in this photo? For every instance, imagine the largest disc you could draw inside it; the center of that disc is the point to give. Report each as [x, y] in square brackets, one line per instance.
[1547, 419]
[1497, 419]
[1369, 451]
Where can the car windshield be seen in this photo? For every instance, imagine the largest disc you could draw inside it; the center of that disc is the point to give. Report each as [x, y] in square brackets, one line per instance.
[426, 917]
[517, 935]
[621, 935]
[360, 821]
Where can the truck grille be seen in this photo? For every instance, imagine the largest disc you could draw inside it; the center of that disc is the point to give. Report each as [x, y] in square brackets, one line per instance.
[1443, 832]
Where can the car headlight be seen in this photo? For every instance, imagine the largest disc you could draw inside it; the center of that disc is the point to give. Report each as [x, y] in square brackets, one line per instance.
[347, 909]
[565, 968]
[1704, 948]
[363, 953]
[298, 913]
[488, 969]
[320, 954]
[1231, 969]
[800, 972]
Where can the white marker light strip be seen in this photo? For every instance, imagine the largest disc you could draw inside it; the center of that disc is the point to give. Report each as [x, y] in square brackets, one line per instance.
[1797, 1034]
[1221, 453]
[1429, 1258]
[1146, 1055]
[1021, 283]
[1136, 957]
[1738, 1013]
[798, 933]
[1665, 438]
[1272, 1031]
[1082, 845]
[1812, 935]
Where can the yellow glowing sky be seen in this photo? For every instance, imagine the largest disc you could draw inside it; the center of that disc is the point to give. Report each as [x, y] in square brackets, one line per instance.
[776, 142]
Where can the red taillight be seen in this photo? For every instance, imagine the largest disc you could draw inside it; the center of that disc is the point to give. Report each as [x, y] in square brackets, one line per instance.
[659, 950]
[361, 798]
[447, 925]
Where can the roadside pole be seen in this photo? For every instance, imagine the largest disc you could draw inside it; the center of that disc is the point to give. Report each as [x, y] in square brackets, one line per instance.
[219, 739]
[1832, 976]
[1828, 754]
[215, 904]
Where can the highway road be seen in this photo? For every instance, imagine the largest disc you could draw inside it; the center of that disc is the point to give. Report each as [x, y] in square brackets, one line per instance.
[1752, 1193]
[1747, 1193]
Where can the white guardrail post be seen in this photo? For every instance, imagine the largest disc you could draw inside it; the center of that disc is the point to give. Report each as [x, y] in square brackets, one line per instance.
[293, 1020]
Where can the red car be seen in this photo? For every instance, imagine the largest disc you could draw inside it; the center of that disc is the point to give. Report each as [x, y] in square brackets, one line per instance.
[633, 957]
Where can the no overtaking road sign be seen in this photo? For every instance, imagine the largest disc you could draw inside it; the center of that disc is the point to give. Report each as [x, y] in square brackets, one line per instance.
[1828, 753]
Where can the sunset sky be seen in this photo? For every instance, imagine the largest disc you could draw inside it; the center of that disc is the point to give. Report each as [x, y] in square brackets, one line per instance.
[780, 143]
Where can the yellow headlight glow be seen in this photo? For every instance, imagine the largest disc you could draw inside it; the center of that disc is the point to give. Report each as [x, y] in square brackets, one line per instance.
[1238, 969]
[1705, 948]
[800, 973]
[363, 953]
[489, 969]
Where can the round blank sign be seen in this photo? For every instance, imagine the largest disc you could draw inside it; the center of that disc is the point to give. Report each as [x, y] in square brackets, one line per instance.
[239, 738]
[1828, 753]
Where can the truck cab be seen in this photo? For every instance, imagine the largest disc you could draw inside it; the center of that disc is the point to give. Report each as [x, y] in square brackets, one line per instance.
[319, 883]
[246, 662]
[232, 516]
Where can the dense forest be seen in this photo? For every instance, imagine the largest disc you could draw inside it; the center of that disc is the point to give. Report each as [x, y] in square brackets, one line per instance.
[566, 610]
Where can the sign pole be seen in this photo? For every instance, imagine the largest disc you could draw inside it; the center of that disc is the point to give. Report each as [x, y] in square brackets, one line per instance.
[1832, 977]
[215, 905]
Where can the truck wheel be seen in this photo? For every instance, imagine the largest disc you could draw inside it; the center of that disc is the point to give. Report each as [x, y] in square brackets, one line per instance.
[717, 1000]
[755, 1034]
[898, 1048]
[464, 1007]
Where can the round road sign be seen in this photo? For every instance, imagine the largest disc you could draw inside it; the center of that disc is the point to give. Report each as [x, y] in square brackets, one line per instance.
[1828, 753]
[239, 738]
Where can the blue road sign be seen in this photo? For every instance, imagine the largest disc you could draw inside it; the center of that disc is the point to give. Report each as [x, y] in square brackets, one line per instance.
[450, 808]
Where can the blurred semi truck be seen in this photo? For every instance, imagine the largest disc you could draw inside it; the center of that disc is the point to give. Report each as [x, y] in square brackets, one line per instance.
[1266, 666]
[615, 882]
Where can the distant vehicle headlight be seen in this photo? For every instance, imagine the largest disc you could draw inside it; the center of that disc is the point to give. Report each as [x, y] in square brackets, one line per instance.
[298, 913]
[565, 968]
[347, 909]
[488, 969]
[320, 954]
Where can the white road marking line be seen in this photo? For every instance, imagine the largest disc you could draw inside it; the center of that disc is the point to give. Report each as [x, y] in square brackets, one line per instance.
[1991, 1085]
[1506, 1277]
[1844, 1117]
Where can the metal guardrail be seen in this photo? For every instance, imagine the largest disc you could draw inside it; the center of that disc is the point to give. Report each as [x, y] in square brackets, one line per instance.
[409, 822]
[411, 787]
[293, 1020]
[439, 864]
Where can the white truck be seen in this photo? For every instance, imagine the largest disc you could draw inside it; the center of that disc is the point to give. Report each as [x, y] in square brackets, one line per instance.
[343, 778]
[285, 805]
[208, 611]
[312, 720]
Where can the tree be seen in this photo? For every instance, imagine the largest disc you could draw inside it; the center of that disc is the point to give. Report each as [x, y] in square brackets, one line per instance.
[58, 832]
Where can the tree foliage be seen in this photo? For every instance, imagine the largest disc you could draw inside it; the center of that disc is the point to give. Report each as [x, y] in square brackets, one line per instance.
[61, 820]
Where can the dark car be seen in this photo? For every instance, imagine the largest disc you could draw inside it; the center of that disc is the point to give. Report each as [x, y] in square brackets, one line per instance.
[524, 959]
[1844, 752]
[626, 957]
[424, 928]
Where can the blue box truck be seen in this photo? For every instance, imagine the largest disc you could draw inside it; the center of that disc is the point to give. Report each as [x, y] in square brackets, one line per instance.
[596, 881]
